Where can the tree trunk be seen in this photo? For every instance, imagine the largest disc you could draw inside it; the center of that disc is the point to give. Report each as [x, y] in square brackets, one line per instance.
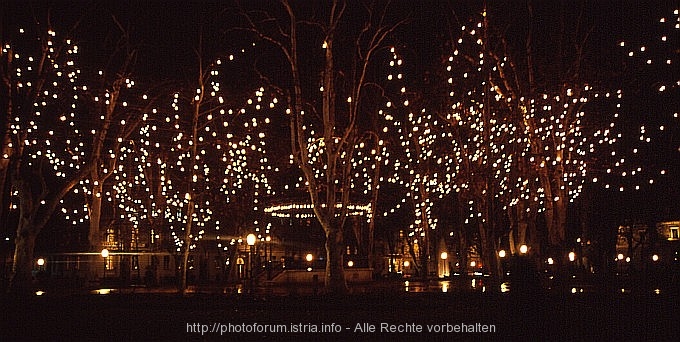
[522, 226]
[462, 244]
[6, 150]
[94, 237]
[490, 257]
[560, 225]
[94, 233]
[191, 192]
[424, 256]
[24, 243]
[371, 243]
[187, 244]
[487, 233]
[463, 251]
[535, 239]
[426, 239]
[415, 256]
[374, 213]
[5, 189]
[549, 213]
[334, 280]
[358, 231]
[5, 185]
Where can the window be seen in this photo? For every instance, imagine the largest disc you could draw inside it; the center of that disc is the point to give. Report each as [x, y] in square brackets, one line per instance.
[675, 233]
[108, 263]
[134, 237]
[166, 262]
[110, 238]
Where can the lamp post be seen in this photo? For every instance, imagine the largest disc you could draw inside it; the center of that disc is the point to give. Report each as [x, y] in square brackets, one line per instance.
[444, 264]
[502, 254]
[105, 255]
[309, 257]
[268, 256]
[250, 240]
[315, 277]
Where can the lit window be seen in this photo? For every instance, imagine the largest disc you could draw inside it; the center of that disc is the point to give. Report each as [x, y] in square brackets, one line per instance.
[110, 237]
[675, 233]
[108, 263]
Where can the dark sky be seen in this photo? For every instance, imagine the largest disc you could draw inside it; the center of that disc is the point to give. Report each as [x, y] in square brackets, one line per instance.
[168, 31]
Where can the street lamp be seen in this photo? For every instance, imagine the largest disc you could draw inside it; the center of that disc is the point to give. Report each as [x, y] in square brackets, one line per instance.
[250, 240]
[572, 256]
[105, 255]
[523, 249]
[502, 255]
[445, 270]
[309, 257]
[41, 265]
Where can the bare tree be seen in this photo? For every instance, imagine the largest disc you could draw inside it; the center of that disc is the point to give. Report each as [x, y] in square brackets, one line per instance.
[42, 90]
[330, 124]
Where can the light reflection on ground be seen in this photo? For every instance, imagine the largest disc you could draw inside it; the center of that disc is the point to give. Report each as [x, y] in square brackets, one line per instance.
[103, 291]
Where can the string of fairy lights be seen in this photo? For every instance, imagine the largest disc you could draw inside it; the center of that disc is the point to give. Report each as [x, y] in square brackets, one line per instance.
[222, 168]
[552, 135]
[418, 154]
[655, 55]
[45, 79]
[519, 150]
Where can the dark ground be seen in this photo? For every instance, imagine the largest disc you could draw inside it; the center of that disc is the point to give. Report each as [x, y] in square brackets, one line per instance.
[156, 316]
